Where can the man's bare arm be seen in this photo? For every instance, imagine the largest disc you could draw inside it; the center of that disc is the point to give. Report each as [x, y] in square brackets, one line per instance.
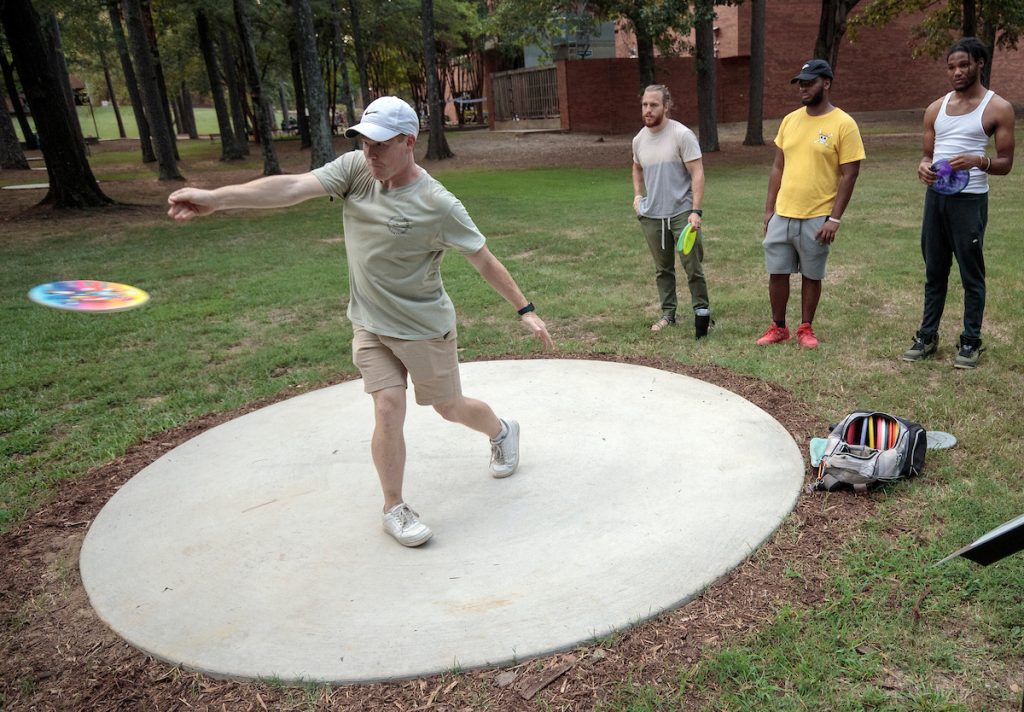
[496, 275]
[270, 192]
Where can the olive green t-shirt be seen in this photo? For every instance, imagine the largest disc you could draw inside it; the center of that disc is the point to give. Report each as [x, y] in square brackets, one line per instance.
[395, 240]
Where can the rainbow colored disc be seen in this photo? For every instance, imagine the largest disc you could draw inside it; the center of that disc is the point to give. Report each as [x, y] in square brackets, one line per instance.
[686, 240]
[88, 295]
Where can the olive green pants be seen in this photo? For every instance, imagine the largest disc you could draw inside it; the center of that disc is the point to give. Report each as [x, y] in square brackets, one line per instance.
[661, 237]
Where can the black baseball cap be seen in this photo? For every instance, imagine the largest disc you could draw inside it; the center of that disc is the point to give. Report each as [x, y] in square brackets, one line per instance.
[813, 69]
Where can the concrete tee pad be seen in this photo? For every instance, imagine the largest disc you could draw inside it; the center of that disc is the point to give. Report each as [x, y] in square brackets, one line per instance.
[255, 549]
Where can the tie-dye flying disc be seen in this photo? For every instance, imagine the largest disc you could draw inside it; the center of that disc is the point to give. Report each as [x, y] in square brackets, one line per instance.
[948, 182]
[88, 295]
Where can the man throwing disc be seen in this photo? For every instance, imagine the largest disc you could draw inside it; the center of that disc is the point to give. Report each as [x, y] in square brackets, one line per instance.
[957, 128]
[398, 223]
[817, 161]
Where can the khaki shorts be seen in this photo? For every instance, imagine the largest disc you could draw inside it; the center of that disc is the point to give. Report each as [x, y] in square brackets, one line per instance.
[432, 364]
[790, 247]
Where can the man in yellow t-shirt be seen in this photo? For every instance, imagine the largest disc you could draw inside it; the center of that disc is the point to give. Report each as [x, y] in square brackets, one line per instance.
[817, 160]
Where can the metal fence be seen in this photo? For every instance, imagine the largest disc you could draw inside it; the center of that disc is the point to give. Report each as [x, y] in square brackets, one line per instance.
[526, 94]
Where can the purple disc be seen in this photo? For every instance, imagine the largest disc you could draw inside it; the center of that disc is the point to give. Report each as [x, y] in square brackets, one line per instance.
[948, 181]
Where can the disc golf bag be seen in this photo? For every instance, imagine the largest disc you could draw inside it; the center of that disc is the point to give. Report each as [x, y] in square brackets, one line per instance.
[871, 448]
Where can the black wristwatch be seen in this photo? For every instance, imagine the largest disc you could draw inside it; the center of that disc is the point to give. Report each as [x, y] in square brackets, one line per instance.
[527, 309]
[698, 212]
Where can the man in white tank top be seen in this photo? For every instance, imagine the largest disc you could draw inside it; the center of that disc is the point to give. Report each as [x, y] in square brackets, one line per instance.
[957, 128]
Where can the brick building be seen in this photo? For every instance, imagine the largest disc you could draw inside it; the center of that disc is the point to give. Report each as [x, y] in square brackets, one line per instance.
[877, 73]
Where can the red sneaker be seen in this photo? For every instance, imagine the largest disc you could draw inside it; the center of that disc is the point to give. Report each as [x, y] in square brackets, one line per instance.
[805, 336]
[774, 335]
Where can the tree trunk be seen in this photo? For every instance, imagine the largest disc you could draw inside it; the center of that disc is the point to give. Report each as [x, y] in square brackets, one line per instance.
[188, 113]
[755, 102]
[147, 23]
[11, 154]
[60, 66]
[357, 40]
[970, 18]
[179, 123]
[437, 144]
[302, 117]
[31, 143]
[261, 105]
[163, 141]
[707, 103]
[72, 183]
[832, 29]
[235, 89]
[131, 82]
[282, 96]
[644, 50]
[988, 38]
[228, 149]
[316, 95]
[346, 85]
[110, 93]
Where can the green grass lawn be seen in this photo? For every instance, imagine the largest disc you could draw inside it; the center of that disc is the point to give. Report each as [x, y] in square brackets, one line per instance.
[247, 305]
[101, 122]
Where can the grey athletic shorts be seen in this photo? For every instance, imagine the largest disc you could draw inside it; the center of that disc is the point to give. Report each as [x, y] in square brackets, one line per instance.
[790, 247]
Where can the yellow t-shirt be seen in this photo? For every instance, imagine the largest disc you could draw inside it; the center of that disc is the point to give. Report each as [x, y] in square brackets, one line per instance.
[814, 148]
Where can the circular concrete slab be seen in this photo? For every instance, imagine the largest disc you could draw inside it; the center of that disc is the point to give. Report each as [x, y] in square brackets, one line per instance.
[255, 550]
[26, 186]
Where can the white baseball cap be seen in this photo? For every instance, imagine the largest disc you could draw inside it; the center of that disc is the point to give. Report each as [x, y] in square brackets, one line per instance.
[385, 118]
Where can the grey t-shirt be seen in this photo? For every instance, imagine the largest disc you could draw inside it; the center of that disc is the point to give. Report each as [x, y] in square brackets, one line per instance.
[395, 240]
[663, 155]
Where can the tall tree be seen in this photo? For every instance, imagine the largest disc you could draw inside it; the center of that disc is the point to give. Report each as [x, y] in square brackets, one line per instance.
[110, 91]
[755, 101]
[229, 150]
[346, 85]
[707, 101]
[235, 89]
[260, 101]
[131, 81]
[316, 95]
[19, 109]
[51, 30]
[72, 183]
[437, 143]
[359, 43]
[158, 67]
[11, 154]
[300, 93]
[160, 128]
[832, 29]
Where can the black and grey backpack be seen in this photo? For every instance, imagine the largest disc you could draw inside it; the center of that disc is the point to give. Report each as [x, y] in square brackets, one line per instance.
[871, 448]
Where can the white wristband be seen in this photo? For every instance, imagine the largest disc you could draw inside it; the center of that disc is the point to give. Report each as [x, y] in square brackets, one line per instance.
[837, 221]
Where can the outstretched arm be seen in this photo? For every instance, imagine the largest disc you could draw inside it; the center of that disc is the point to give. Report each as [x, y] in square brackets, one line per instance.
[270, 192]
[496, 275]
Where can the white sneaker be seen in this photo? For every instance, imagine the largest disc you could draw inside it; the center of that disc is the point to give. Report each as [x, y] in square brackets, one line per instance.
[405, 526]
[505, 452]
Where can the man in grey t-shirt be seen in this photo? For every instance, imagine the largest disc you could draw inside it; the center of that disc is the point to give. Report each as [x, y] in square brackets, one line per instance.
[667, 165]
[398, 223]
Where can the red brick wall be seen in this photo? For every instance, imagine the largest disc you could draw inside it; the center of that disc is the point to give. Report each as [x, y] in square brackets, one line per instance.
[877, 73]
[603, 95]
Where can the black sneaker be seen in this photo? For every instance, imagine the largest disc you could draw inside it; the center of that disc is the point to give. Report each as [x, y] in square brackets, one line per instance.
[920, 349]
[968, 355]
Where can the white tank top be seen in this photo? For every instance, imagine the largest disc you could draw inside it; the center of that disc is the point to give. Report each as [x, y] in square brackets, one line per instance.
[963, 134]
